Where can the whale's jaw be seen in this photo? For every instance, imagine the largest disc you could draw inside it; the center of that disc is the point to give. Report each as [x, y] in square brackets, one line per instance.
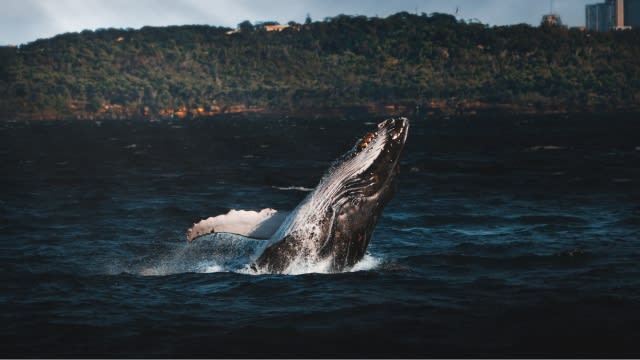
[334, 224]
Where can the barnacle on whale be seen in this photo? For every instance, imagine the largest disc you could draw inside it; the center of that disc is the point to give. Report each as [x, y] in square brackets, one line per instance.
[366, 140]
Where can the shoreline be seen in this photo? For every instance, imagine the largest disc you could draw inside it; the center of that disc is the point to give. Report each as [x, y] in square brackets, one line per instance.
[437, 108]
[438, 118]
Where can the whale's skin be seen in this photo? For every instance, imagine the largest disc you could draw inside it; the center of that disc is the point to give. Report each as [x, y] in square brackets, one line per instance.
[335, 222]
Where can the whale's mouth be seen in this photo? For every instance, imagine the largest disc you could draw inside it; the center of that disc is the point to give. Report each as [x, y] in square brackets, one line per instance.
[396, 131]
[373, 161]
[391, 132]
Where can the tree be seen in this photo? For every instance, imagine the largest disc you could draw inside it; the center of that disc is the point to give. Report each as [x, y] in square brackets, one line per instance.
[246, 26]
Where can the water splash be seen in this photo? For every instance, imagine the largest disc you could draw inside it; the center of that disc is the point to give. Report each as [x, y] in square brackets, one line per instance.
[232, 253]
[212, 253]
[367, 263]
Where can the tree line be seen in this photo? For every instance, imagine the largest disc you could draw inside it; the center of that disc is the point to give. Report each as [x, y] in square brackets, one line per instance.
[405, 60]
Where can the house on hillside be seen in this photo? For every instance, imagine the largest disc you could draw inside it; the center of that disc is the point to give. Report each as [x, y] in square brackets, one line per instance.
[268, 26]
[275, 27]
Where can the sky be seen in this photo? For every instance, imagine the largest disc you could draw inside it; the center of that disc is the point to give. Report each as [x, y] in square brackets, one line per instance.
[23, 21]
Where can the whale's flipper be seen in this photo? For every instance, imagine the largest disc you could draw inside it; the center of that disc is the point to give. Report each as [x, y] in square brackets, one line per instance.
[253, 224]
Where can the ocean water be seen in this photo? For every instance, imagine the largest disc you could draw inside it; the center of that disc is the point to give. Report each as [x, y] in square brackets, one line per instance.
[509, 236]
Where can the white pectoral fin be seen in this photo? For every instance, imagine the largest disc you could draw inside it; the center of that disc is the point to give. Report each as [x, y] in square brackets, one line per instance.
[257, 225]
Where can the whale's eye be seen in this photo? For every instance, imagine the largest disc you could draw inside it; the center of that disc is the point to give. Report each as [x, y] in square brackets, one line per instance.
[365, 141]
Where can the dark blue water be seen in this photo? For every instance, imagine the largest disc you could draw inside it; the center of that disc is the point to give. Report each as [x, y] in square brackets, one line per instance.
[509, 236]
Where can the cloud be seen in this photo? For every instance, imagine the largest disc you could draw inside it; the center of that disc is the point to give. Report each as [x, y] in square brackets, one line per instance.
[24, 20]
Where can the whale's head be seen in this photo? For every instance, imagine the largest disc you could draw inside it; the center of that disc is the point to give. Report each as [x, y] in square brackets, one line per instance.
[359, 185]
[375, 159]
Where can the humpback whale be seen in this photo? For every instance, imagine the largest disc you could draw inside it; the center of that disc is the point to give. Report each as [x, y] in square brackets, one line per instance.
[334, 223]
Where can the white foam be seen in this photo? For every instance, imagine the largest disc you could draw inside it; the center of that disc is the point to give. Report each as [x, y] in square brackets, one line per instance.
[296, 188]
[158, 270]
[367, 263]
[211, 267]
[308, 266]
[298, 267]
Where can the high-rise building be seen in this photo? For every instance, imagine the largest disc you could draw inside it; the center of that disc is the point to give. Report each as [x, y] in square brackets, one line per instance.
[613, 14]
[601, 17]
[632, 13]
[619, 15]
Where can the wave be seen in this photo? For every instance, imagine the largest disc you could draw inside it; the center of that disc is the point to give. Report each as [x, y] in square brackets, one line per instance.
[296, 188]
[552, 219]
[488, 231]
[573, 258]
[546, 148]
[507, 221]
[630, 221]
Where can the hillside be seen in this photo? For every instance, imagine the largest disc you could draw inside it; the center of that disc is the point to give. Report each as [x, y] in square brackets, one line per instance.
[401, 63]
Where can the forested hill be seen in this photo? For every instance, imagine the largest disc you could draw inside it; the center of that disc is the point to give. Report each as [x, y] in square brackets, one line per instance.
[401, 63]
